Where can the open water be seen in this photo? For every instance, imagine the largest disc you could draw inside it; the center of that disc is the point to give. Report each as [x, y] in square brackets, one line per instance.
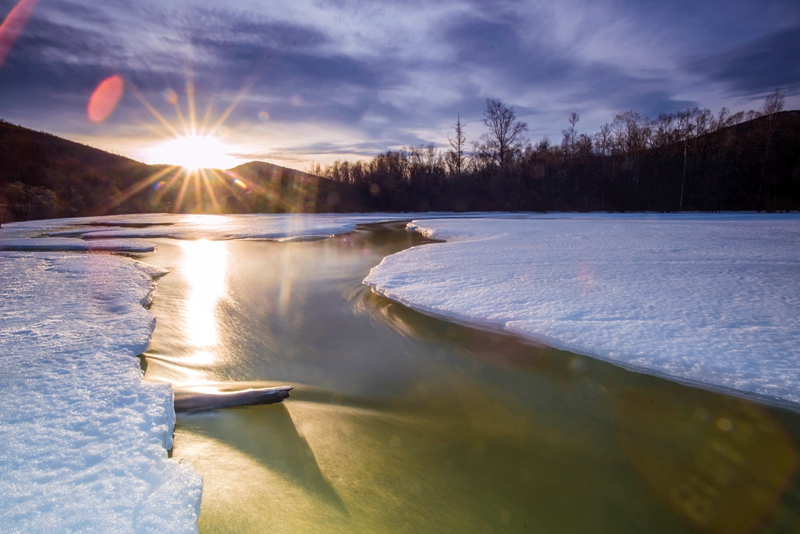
[404, 423]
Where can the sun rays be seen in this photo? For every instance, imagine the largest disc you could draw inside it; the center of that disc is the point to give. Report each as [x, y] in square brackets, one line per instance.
[193, 152]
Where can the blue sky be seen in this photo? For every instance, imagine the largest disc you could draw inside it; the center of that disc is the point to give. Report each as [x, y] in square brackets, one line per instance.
[345, 79]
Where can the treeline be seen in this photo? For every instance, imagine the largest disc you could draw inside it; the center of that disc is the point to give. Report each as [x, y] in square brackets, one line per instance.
[690, 160]
[43, 176]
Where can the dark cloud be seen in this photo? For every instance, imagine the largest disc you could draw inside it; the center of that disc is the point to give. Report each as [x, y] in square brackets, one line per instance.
[758, 66]
[497, 45]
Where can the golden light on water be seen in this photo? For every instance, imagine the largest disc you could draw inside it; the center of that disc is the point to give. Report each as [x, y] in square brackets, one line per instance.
[205, 269]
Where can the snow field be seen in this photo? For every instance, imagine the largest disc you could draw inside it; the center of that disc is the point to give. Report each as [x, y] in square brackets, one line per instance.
[85, 439]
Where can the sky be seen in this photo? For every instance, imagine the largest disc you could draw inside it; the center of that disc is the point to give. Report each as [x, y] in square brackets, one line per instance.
[297, 81]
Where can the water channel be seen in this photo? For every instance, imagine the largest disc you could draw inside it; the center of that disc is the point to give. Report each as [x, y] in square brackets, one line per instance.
[404, 423]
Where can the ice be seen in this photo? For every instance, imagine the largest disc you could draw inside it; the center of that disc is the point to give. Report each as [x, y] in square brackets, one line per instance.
[707, 300]
[45, 244]
[84, 438]
[278, 227]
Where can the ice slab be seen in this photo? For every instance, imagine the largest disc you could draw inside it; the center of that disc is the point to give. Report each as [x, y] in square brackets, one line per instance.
[84, 438]
[279, 227]
[710, 300]
[53, 244]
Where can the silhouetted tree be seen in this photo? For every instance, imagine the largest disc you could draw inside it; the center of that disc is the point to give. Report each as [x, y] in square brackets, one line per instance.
[506, 135]
[455, 156]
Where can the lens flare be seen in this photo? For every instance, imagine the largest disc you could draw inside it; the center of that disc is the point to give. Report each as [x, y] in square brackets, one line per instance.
[13, 25]
[105, 98]
[170, 96]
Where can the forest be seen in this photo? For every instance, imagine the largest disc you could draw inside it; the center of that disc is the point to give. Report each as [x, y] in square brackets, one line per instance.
[43, 176]
[692, 160]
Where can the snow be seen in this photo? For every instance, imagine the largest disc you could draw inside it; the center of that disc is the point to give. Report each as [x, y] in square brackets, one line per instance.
[707, 300]
[84, 438]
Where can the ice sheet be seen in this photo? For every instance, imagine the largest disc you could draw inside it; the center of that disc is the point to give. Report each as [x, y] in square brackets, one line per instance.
[84, 438]
[214, 227]
[278, 227]
[53, 244]
[710, 300]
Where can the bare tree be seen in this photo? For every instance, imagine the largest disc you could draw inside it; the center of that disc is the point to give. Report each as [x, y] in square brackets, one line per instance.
[506, 134]
[773, 105]
[455, 157]
[570, 136]
[603, 140]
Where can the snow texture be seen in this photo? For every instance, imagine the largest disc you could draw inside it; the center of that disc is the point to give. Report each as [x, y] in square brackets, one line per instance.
[705, 300]
[84, 438]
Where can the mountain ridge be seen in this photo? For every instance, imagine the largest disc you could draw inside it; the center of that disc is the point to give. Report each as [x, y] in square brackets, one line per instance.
[44, 176]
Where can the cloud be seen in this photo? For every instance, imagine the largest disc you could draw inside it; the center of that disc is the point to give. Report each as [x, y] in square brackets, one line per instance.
[758, 66]
[374, 78]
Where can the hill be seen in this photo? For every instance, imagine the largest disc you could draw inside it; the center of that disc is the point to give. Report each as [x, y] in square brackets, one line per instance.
[44, 176]
[688, 161]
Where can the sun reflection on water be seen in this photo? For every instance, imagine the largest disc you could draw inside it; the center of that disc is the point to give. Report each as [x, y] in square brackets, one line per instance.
[205, 268]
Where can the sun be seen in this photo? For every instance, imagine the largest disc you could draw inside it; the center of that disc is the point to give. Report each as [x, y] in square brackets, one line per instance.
[193, 152]
[192, 158]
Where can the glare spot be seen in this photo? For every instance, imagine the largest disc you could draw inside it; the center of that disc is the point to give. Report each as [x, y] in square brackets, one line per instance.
[13, 25]
[170, 96]
[724, 424]
[105, 98]
[264, 116]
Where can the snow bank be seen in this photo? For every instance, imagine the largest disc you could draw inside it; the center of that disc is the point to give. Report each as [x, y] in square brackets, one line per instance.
[84, 438]
[710, 300]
